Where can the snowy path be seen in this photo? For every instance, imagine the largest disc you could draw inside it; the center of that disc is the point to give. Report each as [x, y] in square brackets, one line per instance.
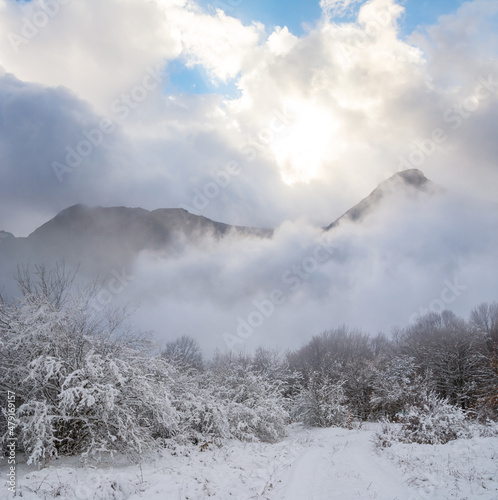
[338, 468]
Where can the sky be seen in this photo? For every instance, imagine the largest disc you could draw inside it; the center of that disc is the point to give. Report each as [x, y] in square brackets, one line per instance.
[266, 114]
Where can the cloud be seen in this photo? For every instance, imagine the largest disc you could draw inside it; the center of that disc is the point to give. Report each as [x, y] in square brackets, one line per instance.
[36, 125]
[96, 49]
[55, 43]
[410, 256]
[337, 8]
[219, 43]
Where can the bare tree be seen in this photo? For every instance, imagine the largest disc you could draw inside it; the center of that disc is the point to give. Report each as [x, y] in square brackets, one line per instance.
[341, 356]
[452, 352]
[53, 285]
[184, 352]
[484, 318]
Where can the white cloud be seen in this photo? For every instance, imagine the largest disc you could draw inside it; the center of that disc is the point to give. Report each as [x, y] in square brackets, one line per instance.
[219, 43]
[383, 272]
[101, 49]
[97, 49]
[281, 41]
[342, 83]
[337, 8]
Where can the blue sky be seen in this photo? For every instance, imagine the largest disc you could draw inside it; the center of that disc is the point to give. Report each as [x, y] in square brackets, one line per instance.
[194, 80]
[298, 16]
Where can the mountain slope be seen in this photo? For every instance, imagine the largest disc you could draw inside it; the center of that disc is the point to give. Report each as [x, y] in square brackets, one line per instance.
[409, 182]
[99, 239]
[119, 230]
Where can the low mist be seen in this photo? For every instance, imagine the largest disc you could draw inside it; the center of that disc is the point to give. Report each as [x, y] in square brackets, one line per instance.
[407, 258]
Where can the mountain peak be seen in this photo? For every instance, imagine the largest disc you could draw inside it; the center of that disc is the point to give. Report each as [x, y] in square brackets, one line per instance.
[411, 179]
[4, 235]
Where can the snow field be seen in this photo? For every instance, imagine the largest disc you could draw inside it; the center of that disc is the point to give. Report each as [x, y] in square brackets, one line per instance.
[309, 464]
[463, 469]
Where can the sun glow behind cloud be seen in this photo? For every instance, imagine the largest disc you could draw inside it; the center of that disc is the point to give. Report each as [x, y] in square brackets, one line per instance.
[308, 141]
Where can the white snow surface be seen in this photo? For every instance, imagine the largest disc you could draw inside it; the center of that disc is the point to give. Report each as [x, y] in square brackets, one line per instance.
[309, 464]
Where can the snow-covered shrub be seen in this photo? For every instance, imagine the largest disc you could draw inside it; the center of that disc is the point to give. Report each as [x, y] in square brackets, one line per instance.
[117, 402]
[37, 421]
[388, 434]
[432, 421]
[322, 403]
[252, 403]
[256, 410]
[485, 429]
[228, 400]
[84, 383]
[202, 416]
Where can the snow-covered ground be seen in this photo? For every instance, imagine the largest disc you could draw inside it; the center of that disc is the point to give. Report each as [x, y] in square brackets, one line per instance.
[307, 465]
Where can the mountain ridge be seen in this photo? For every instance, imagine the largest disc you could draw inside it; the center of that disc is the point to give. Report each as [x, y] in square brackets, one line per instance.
[100, 239]
[79, 216]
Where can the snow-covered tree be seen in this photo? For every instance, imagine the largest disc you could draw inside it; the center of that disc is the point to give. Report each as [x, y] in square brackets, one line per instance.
[342, 356]
[253, 403]
[433, 420]
[322, 402]
[84, 382]
[396, 386]
[484, 320]
[202, 415]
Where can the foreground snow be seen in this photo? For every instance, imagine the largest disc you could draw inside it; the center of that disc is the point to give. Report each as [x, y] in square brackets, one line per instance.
[308, 464]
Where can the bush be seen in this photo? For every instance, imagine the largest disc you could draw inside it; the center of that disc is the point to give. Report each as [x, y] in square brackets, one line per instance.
[84, 383]
[321, 403]
[253, 405]
[202, 417]
[431, 421]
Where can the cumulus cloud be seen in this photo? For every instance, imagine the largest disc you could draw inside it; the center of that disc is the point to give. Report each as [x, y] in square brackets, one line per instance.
[96, 49]
[219, 43]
